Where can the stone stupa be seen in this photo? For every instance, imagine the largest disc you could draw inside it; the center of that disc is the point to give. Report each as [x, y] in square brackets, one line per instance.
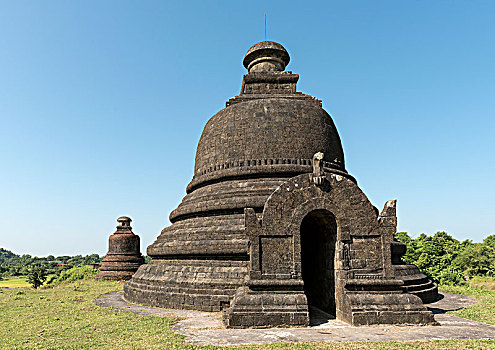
[273, 227]
[124, 255]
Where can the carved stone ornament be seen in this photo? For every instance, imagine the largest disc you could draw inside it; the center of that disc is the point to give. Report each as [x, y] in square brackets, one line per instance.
[318, 175]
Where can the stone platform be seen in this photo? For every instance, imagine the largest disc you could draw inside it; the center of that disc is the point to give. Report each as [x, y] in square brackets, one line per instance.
[206, 328]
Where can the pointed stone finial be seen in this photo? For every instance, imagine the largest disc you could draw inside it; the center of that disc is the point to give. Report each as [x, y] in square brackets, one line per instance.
[390, 208]
[388, 216]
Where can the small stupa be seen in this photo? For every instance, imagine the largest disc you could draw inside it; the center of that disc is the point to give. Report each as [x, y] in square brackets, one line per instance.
[124, 256]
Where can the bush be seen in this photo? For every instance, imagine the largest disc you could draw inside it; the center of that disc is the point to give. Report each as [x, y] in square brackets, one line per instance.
[51, 279]
[74, 274]
[477, 259]
[36, 276]
[451, 276]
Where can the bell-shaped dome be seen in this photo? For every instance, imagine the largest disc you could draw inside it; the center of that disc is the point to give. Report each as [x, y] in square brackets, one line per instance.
[269, 127]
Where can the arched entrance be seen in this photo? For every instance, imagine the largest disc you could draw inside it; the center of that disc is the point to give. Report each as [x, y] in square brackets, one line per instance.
[318, 236]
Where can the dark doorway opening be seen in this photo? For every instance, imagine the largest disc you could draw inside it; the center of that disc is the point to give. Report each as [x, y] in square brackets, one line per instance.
[318, 236]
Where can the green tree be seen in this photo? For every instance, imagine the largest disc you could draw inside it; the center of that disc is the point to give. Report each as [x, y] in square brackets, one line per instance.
[476, 260]
[76, 260]
[411, 253]
[92, 259]
[37, 276]
[490, 241]
[434, 255]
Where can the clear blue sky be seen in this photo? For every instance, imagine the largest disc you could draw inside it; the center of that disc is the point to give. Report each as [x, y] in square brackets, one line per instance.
[102, 104]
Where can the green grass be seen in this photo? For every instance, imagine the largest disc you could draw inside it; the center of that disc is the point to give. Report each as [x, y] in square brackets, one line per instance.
[65, 317]
[482, 311]
[483, 282]
[14, 283]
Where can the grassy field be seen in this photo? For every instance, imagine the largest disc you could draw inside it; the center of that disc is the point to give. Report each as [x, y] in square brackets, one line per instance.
[14, 283]
[65, 317]
[483, 282]
[482, 311]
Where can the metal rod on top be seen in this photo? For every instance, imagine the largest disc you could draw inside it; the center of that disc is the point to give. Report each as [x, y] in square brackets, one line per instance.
[265, 26]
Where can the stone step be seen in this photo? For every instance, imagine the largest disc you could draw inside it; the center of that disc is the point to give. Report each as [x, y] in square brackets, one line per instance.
[414, 279]
[418, 287]
[428, 295]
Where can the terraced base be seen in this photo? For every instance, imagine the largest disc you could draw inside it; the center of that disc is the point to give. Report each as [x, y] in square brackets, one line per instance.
[416, 283]
[205, 285]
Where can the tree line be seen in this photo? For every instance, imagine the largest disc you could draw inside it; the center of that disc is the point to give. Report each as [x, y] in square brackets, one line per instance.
[441, 257]
[12, 264]
[448, 261]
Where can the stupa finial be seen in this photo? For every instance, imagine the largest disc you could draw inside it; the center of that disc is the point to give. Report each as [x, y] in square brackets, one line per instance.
[266, 56]
[124, 225]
